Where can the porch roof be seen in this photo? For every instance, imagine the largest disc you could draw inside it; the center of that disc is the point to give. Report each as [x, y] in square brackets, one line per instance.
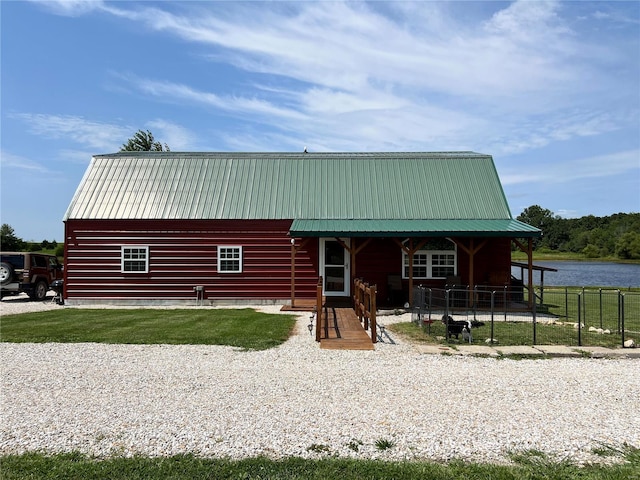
[412, 228]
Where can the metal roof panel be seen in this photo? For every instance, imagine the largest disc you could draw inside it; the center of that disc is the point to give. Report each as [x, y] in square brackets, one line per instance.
[389, 186]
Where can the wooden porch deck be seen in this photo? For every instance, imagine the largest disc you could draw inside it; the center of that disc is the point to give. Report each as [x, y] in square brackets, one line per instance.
[343, 331]
[301, 305]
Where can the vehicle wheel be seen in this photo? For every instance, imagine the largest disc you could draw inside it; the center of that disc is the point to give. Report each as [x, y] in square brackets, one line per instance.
[6, 273]
[40, 292]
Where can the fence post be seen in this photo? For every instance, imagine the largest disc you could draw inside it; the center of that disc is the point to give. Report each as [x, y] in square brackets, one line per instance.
[619, 311]
[600, 292]
[579, 319]
[493, 294]
[566, 303]
[584, 306]
[446, 313]
[429, 312]
[534, 324]
[475, 301]
[504, 304]
[622, 316]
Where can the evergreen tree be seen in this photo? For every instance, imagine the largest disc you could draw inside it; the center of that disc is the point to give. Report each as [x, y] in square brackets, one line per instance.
[143, 142]
[8, 239]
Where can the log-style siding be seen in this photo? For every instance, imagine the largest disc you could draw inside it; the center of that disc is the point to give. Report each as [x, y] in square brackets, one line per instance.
[182, 255]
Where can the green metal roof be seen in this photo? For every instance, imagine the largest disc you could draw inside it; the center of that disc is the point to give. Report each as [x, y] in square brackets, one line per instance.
[298, 186]
[407, 228]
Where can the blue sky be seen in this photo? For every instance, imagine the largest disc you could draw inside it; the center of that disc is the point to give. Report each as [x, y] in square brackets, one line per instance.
[550, 89]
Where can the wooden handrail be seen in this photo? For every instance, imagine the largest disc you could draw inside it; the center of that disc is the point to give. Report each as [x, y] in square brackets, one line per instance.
[319, 310]
[364, 305]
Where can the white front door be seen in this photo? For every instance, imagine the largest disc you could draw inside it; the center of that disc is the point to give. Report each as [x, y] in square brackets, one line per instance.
[334, 265]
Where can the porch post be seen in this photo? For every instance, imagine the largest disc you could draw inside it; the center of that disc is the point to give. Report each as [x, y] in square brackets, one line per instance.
[410, 275]
[530, 275]
[293, 272]
[352, 253]
[472, 262]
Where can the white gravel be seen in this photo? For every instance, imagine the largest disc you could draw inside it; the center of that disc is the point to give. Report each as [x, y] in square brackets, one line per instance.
[298, 400]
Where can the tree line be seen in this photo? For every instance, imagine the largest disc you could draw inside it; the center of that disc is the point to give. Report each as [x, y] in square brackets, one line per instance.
[10, 242]
[615, 236]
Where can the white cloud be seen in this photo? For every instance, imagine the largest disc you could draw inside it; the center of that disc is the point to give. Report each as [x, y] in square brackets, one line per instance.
[426, 75]
[567, 213]
[70, 8]
[174, 92]
[618, 17]
[349, 47]
[175, 136]
[563, 171]
[100, 136]
[81, 157]
[505, 79]
[11, 161]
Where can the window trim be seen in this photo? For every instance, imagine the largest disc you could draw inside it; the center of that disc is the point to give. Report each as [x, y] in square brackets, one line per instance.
[430, 254]
[240, 258]
[123, 248]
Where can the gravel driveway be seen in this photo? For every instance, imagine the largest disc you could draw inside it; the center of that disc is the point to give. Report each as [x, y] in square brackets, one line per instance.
[299, 400]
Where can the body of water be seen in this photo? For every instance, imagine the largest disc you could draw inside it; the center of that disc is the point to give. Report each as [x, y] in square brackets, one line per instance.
[586, 274]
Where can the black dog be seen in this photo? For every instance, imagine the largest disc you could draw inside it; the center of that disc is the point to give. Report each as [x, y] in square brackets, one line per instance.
[455, 327]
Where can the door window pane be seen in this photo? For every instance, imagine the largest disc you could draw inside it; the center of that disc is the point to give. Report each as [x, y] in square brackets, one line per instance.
[335, 279]
[333, 253]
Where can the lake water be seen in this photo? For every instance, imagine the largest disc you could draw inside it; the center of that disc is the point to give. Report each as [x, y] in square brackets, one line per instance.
[586, 274]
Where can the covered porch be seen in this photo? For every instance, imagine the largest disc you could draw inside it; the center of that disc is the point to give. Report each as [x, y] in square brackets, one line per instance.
[396, 255]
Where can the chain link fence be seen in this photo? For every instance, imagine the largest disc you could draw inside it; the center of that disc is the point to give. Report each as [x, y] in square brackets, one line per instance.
[573, 317]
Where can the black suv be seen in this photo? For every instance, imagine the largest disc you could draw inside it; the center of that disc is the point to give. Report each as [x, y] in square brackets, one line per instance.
[31, 273]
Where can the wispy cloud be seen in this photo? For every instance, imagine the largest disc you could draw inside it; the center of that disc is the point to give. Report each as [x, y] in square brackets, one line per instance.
[518, 77]
[617, 17]
[19, 162]
[175, 136]
[70, 8]
[600, 166]
[522, 62]
[176, 92]
[522, 49]
[100, 136]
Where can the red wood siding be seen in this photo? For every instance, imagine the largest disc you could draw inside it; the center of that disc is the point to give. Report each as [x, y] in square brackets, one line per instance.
[382, 257]
[183, 255]
[375, 262]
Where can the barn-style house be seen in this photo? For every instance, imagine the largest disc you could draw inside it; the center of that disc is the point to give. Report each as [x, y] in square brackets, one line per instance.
[166, 227]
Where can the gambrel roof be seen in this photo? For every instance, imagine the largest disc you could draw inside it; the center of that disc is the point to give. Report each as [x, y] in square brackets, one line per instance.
[357, 194]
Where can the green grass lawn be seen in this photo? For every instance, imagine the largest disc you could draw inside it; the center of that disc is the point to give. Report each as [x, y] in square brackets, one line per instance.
[530, 465]
[243, 328]
[509, 333]
[605, 309]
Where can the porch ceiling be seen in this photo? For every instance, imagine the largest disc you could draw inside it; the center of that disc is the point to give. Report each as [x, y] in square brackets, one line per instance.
[412, 228]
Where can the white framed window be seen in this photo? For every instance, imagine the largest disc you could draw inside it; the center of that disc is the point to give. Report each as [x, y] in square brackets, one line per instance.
[437, 259]
[134, 259]
[229, 259]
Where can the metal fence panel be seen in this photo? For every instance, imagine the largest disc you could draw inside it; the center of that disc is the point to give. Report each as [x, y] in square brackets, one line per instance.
[577, 317]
